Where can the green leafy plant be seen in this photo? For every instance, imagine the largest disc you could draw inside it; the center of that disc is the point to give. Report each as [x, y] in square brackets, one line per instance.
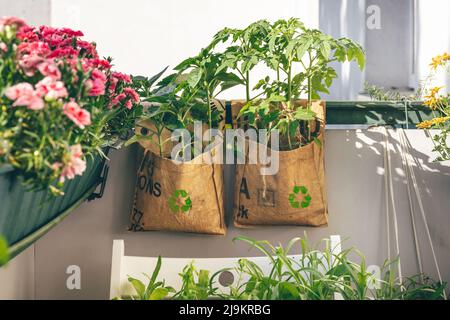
[155, 290]
[196, 285]
[246, 50]
[319, 274]
[186, 96]
[299, 57]
[286, 46]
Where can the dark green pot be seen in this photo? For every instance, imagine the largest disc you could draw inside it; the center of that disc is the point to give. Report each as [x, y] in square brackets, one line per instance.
[26, 215]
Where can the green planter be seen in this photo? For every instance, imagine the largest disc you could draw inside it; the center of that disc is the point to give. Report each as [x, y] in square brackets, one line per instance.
[27, 215]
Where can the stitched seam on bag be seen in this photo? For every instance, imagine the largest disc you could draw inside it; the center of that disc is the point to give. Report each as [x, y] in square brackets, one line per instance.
[217, 198]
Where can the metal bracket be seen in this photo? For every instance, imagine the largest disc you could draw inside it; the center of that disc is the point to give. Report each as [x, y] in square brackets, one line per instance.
[102, 182]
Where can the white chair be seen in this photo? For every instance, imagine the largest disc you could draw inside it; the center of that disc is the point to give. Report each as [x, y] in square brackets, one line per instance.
[124, 266]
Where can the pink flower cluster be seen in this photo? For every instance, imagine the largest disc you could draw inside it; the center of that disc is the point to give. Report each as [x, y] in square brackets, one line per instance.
[46, 49]
[54, 67]
[78, 115]
[128, 96]
[73, 165]
[24, 94]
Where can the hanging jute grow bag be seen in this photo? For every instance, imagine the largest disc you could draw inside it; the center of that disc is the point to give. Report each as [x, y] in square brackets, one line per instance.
[295, 195]
[185, 197]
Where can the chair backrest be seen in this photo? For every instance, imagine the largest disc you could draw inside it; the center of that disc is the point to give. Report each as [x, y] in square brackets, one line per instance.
[124, 266]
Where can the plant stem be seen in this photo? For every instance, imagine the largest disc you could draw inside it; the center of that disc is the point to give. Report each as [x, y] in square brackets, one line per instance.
[309, 92]
[289, 84]
[278, 80]
[247, 85]
[208, 101]
[289, 135]
[160, 142]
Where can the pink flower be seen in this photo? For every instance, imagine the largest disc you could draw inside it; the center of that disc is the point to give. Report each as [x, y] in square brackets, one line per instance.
[9, 21]
[51, 88]
[12, 93]
[112, 84]
[38, 48]
[27, 33]
[74, 164]
[29, 64]
[101, 63]
[33, 101]
[132, 94]
[122, 77]
[3, 47]
[128, 104]
[24, 95]
[117, 100]
[88, 48]
[70, 33]
[96, 85]
[63, 53]
[49, 68]
[78, 115]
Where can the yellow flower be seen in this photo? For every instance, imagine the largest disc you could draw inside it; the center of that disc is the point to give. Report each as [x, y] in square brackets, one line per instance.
[434, 91]
[427, 124]
[439, 60]
[431, 99]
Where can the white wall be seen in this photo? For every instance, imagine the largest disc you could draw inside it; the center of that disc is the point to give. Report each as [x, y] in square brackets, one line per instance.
[145, 36]
[432, 37]
[36, 12]
[17, 277]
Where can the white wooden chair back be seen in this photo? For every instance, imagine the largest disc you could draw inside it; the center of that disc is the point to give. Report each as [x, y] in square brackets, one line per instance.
[124, 266]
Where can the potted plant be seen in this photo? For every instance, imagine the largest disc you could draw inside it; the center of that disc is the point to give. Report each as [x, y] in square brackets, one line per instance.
[179, 186]
[300, 60]
[61, 107]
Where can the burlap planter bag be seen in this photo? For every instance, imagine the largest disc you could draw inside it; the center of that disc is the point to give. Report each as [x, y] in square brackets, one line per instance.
[185, 197]
[293, 196]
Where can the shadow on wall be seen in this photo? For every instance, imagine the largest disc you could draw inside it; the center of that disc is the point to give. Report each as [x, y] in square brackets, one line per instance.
[433, 183]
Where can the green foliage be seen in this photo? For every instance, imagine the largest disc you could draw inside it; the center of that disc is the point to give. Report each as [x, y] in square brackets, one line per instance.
[319, 274]
[381, 94]
[196, 285]
[186, 96]
[155, 290]
[440, 141]
[284, 47]
[4, 255]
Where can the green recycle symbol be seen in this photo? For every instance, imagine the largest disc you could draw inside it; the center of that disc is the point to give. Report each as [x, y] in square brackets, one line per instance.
[305, 194]
[177, 208]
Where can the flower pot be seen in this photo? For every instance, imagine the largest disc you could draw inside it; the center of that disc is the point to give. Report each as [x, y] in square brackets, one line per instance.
[185, 197]
[295, 195]
[23, 212]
